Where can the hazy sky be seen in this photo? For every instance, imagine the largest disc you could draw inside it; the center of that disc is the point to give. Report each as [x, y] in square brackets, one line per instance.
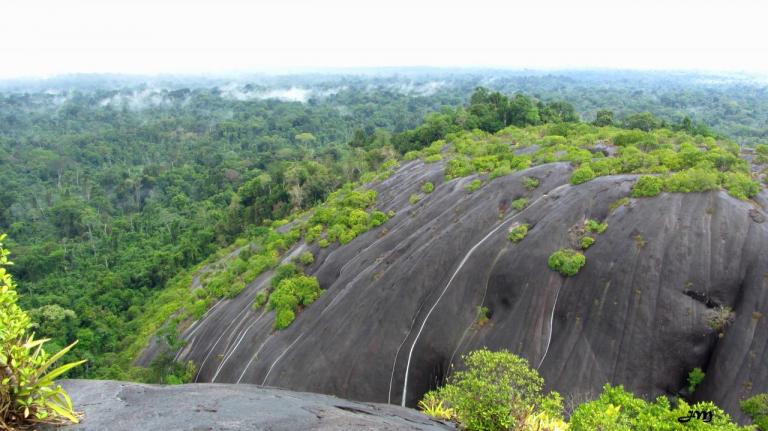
[46, 37]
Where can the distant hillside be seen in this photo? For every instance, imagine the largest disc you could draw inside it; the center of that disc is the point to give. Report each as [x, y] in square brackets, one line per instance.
[598, 254]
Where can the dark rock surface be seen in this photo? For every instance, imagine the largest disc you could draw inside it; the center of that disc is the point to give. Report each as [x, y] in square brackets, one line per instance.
[118, 406]
[401, 300]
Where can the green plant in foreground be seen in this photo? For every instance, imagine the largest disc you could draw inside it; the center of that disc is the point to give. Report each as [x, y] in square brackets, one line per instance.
[431, 405]
[427, 187]
[414, 199]
[496, 391]
[28, 392]
[566, 261]
[619, 410]
[517, 233]
[756, 407]
[695, 377]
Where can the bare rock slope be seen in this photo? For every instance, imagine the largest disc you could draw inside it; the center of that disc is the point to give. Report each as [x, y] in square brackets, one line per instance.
[401, 301]
[121, 406]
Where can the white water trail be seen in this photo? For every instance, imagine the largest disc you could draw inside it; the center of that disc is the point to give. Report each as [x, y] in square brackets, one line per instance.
[551, 325]
[237, 344]
[218, 340]
[278, 359]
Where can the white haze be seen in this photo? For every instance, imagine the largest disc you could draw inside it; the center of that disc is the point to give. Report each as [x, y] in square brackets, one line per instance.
[47, 37]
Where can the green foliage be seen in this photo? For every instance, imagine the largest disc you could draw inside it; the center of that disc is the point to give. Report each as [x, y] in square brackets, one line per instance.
[566, 261]
[618, 410]
[496, 391]
[414, 199]
[427, 187]
[582, 175]
[530, 182]
[520, 203]
[740, 185]
[617, 203]
[473, 185]
[291, 293]
[592, 225]
[756, 408]
[647, 186]
[306, 258]
[695, 376]
[27, 385]
[693, 180]
[433, 158]
[482, 316]
[586, 242]
[260, 299]
[518, 232]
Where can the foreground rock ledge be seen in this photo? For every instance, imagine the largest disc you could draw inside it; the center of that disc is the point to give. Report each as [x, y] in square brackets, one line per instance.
[113, 405]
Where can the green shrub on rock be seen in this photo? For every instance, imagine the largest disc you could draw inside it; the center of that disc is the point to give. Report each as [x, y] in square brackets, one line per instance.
[519, 204]
[290, 293]
[496, 391]
[517, 233]
[306, 258]
[695, 377]
[530, 182]
[582, 175]
[566, 261]
[427, 187]
[592, 225]
[647, 186]
[586, 242]
[756, 407]
[619, 410]
[473, 185]
[740, 185]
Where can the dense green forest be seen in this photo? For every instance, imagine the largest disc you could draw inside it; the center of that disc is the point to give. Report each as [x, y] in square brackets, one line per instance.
[109, 194]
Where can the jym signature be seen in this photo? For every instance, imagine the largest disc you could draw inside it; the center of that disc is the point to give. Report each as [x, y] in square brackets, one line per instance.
[705, 416]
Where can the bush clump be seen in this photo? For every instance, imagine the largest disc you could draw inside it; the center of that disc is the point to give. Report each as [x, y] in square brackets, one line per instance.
[260, 299]
[530, 182]
[592, 225]
[473, 185]
[306, 258]
[517, 233]
[582, 175]
[586, 242]
[427, 187]
[619, 410]
[496, 391]
[647, 186]
[290, 293]
[756, 407]
[519, 204]
[566, 261]
[695, 377]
